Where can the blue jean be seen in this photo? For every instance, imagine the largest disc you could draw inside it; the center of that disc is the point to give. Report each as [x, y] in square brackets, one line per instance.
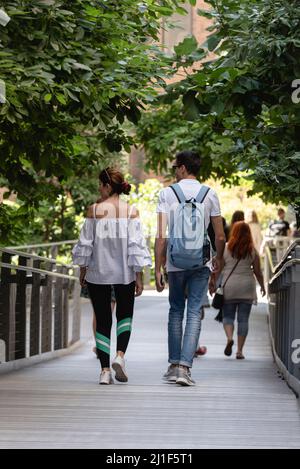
[243, 313]
[192, 283]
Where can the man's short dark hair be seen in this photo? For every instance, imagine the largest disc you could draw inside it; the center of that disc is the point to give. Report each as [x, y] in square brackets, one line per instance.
[191, 160]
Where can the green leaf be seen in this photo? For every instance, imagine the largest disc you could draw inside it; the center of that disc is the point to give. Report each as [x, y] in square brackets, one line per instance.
[186, 47]
[61, 98]
[48, 97]
[213, 41]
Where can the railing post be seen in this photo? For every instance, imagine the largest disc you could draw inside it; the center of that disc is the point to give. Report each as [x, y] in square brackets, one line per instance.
[21, 333]
[35, 312]
[281, 244]
[53, 252]
[47, 312]
[65, 310]
[58, 311]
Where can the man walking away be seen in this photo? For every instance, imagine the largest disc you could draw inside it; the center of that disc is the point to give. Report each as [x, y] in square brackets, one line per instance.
[185, 211]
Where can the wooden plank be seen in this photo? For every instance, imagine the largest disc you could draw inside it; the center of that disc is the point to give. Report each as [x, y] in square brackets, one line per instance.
[235, 404]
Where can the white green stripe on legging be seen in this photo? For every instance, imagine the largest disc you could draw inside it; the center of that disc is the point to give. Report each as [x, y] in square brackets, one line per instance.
[124, 326]
[103, 343]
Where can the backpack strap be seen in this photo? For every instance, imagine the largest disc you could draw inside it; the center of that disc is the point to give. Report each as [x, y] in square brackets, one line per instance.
[178, 192]
[202, 194]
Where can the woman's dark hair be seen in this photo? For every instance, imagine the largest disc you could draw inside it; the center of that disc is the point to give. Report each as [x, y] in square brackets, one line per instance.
[191, 160]
[115, 179]
[237, 216]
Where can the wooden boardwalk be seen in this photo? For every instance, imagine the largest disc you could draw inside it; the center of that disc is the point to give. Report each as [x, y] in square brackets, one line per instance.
[236, 404]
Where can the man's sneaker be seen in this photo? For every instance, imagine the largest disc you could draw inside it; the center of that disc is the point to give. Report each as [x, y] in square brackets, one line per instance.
[106, 378]
[118, 365]
[171, 375]
[184, 378]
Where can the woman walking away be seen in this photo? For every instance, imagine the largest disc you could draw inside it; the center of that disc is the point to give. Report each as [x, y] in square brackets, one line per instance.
[255, 229]
[240, 267]
[112, 252]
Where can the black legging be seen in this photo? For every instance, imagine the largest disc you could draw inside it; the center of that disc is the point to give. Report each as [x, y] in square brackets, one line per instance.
[101, 300]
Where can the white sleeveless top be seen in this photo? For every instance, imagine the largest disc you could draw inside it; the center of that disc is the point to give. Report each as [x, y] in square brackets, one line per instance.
[112, 249]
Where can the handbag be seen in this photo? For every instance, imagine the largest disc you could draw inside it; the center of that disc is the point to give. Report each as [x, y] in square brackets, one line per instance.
[218, 300]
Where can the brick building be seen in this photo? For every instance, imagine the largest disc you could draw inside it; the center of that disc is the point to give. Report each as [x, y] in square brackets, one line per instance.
[190, 24]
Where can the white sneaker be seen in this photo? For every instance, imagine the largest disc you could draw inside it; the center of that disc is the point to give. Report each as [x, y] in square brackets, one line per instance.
[118, 365]
[106, 378]
[184, 378]
[171, 375]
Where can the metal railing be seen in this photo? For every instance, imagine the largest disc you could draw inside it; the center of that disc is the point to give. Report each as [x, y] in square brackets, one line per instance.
[284, 310]
[49, 250]
[39, 305]
[52, 250]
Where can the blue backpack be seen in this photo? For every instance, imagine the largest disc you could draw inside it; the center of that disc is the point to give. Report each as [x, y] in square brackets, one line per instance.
[189, 247]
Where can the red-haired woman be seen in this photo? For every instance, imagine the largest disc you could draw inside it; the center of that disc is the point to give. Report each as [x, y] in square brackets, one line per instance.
[112, 252]
[241, 266]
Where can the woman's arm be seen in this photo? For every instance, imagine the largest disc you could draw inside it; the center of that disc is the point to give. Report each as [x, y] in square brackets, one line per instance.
[82, 276]
[258, 273]
[139, 284]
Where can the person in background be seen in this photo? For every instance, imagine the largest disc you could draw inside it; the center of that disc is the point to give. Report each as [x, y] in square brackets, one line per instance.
[202, 349]
[255, 229]
[240, 267]
[238, 215]
[279, 227]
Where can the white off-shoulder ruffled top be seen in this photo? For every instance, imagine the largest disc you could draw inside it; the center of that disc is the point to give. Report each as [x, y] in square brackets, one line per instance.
[112, 249]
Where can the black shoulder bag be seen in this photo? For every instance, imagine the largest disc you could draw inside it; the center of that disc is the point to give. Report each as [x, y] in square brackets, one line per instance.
[218, 301]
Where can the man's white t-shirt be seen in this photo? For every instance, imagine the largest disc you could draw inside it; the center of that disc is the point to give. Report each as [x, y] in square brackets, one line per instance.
[190, 188]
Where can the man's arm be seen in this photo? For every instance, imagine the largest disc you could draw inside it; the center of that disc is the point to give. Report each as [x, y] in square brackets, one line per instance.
[160, 249]
[220, 241]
